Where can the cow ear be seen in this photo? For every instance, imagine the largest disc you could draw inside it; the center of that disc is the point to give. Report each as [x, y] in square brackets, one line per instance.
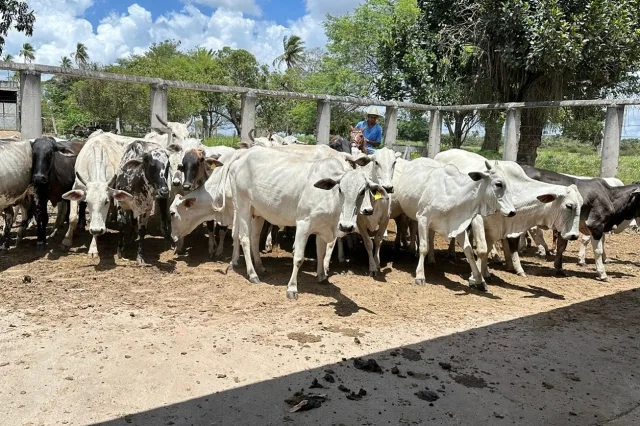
[326, 183]
[476, 176]
[377, 191]
[636, 192]
[363, 161]
[132, 163]
[174, 147]
[189, 202]
[547, 198]
[74, 195]
[120, 195]
[159, 130]
[64, 150]
[213, 163]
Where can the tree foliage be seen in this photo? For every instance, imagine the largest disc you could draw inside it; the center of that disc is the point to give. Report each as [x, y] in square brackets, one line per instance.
[15, 14]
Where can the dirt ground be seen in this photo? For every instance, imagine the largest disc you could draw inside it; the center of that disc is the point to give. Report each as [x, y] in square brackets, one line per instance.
[103, 341]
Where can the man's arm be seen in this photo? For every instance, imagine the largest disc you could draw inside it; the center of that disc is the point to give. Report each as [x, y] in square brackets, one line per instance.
[377, 140]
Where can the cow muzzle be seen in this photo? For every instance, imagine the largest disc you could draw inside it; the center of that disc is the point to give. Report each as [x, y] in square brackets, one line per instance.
[571, 237]
[347, 228]
[512, 213]
[367, 212]
[96, 232]
[186, 186]
[163, 193]
[40, 179]
[176, 182]
[389, 189]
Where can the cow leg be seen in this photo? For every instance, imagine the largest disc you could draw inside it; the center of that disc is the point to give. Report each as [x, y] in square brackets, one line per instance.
[493, 254]
[451, 253]
[42, 219]
[142, 232]
[368, 245]
[302, 235]
[561, 246]
[538, 237]
[598, 251]
[582, 251]
[82, 213]
[413, 233]
[179, 246]
[327, 256]
[341, 258]
[379, 237]
[211, 232]
[235, 256]
[268, 243]
[63, 209]
[476, 279]
[163, 205]
[244, 223]
[423, 230]
[431, 256]
[508, 260]
[514, 260]
[123, 228]
[256, 229]
[73, 221]
[8, 223]
[604, 249]
[321, 251]
[222, 234]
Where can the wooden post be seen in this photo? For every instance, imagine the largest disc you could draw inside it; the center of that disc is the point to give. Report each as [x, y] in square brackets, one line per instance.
[390, 127]
[611, 141]
[30, 105]
[435, 133]
[248, 113]
[323, 122]
[158, 104]
[511, 134]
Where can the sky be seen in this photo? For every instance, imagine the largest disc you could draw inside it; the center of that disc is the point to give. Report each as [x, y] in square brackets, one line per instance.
[116, 28]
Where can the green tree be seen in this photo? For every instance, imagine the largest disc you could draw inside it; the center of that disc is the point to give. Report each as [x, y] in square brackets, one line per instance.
[65, 62]
[293, 51]
[15, 14]
[28, 53]
[81, 56]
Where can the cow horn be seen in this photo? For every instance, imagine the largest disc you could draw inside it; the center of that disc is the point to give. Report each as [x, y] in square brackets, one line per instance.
[251, 134]
[80, 179]
[190, 122]
[162, 121]
[486, 163]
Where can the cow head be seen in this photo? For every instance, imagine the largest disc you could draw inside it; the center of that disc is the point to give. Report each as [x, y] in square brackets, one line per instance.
[179, 131]
[175, 159]
[43, 152]
[182, 222]
[195, 168]
[98, 197]
[496, 180]
[155, 167]
[383, 164]
[354, 190]
[568, 207]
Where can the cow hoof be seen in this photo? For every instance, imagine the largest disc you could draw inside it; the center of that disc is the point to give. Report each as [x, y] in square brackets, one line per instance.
[341, 260]
[420, 281]
[93, 255]
[141, 262]
[373, 273]
[65, 248]
[561, 273]
[604, 279]
[292, 295]
[482, 286]
[582, 263]
[522, 274]
[254, 280]
[433, 261]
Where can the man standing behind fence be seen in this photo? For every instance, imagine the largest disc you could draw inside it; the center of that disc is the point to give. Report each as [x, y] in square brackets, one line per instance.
[372, 130]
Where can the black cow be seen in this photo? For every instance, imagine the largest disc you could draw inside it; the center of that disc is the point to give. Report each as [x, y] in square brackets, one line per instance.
[604, 208]
[142, 179]
[341, 145]
[53, 174]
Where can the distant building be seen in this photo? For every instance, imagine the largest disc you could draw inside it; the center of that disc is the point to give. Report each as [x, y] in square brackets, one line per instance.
[9, 105]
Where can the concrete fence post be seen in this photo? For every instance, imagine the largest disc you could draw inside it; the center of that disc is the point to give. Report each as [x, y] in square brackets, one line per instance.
[390, 127]
[248, 115]
[511, 134]
[435, 133]
[30, 105]
[611, 141]
[158, 104]
[323, 122]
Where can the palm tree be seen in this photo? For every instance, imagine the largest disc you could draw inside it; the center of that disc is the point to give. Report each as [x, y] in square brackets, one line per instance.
[65, 62]
[8, 58]
[28, 52]
[80, 55]
[293, 49]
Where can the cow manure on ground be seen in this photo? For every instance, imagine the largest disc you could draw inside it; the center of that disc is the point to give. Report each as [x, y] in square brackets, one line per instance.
[427, 395]
[316, 385]
[343, 388]
[329, 378]
[303, 402]
[304, 337]
[470, 381]
[370, 365]
[445, 365]
[411, 355]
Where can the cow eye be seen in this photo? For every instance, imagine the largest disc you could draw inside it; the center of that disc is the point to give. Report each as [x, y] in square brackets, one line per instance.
[377, 164]
[499, 185]
[569, 206]
[173, 214]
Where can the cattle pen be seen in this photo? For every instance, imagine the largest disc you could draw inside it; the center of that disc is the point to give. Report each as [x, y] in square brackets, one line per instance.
[31, 96]
[184, 341]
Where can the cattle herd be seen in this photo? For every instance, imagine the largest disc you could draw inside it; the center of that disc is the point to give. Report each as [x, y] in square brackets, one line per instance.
[330, 191]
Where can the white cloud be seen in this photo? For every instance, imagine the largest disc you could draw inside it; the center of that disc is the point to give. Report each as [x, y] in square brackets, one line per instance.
[60, 25]
[246, 6]
[320, 8]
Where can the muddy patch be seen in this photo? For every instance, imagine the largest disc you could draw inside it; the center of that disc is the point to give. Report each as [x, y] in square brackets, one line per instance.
[349, 332]
[470, 381]
[411, 355]
[304, 337]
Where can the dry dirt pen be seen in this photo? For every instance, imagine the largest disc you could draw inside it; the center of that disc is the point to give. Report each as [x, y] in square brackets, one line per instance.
[103, 341]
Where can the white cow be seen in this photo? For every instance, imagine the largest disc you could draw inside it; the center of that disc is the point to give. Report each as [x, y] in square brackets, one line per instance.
[536, 203]
[96, 168]
[15, 177]
[444, 200]
[321, 197]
